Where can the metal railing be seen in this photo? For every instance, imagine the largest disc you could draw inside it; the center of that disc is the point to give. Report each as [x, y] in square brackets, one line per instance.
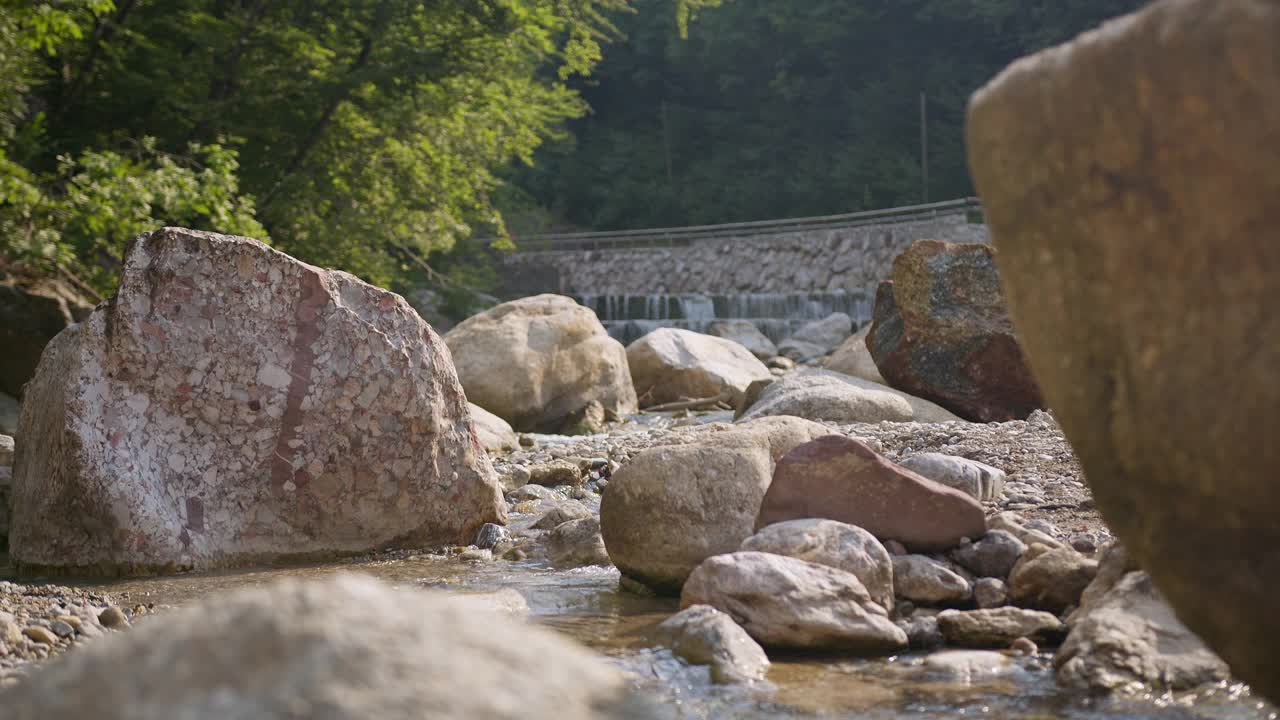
[679, 236]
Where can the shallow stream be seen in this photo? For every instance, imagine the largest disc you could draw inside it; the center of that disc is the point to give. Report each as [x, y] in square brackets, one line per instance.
[587, 605]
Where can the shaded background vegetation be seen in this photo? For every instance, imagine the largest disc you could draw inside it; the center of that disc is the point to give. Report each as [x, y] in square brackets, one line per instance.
[372, 135]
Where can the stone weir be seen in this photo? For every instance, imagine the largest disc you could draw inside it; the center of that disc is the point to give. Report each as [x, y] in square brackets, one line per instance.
[778, 274]
[777, 315]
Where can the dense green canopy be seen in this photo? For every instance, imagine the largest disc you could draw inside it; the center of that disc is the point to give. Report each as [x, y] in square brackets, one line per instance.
[371, 135]
[786, 108]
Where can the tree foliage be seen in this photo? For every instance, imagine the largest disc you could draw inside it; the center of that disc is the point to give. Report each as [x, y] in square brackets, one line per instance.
[354, 133]
[774, 108]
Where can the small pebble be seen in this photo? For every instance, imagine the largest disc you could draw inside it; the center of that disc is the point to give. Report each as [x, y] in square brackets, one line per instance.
[113, 617]
[40, 635]
[1024, 646]
[61, 628]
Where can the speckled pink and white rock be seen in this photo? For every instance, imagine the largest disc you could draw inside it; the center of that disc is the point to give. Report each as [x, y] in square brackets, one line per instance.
[232, 405]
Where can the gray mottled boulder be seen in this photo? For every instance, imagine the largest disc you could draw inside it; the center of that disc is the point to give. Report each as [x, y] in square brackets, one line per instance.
[989, 592]
[1130, 182]
[232, 405]
[997, 627]
[991, 556]
[926, 582]
[817, 338]
[836, 544]
[788, 603]
[670, 364]
[1050, 579]
[703, 635]
[1129, 636]
[940, 331]
[348, 648]
[539, 361]
[746, 334]
[672, 506]
[495, 435]
[975, 478]
[576, 543]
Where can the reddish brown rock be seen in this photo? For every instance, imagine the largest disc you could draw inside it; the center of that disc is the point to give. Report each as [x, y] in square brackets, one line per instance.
[839, 478]
[941, 332]
[232, 405]
[1131, 179]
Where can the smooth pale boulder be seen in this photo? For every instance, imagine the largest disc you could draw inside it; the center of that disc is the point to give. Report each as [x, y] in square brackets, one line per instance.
[1125, 634]
[346, 648]
[746, 334]
[670, 364]
[672, 506]
[998, 627]
[787, 603]
[854, 359]
[977, 479]
[576, 543]
[940, 331]
[828, 396]
[703, 635]
[539, 361]
[992, 556]
[817, 338]
[495, 435]
[819, 396]
[232, 405]
[1050, 579]
[1130, 179]
[842, 479]
[836, 544]
[927, 582]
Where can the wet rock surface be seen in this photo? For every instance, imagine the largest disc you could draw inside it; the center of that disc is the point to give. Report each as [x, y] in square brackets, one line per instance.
[998, 627]
[703, 635]
[788, 603]
[193, 428]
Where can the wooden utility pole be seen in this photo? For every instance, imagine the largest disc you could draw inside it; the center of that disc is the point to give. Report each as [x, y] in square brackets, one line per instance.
[924, 148]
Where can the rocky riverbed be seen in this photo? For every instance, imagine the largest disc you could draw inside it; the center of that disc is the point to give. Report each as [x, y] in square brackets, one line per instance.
[588, 601]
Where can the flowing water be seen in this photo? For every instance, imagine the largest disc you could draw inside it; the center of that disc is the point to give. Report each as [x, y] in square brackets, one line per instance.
[777, 315]
[587, 605]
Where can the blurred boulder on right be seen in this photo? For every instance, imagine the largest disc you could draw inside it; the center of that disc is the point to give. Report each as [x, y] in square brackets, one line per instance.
[1131, 181]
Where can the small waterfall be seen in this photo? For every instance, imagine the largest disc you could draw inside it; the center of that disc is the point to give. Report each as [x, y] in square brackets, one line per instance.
[777, 315]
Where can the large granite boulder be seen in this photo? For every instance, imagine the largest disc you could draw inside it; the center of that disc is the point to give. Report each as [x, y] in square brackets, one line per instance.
[346, 648]
[672, 506]
[787, 603]
[230, 405]
[539, 361]
[746, 334]
[817, 338]
[670, 364]
[1130, 181]
[853, 358]
[940, 331]
[816, 394]
[31, 314]
[842, 479]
